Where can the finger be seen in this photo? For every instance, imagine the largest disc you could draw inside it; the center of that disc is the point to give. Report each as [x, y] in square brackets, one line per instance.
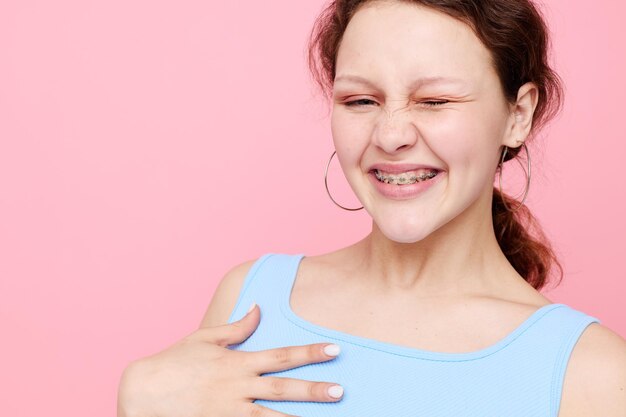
[287, 357]
[232, 333]
[291, 389]
[256, 410]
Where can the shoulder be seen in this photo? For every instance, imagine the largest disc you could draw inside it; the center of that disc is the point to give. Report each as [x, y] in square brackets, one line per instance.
[226, 294]
[595, 377]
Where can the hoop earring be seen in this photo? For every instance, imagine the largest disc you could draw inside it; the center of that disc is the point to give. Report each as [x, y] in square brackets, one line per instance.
[326, 184]
[525, 173]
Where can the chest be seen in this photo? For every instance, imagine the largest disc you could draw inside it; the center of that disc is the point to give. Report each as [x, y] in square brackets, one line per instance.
[435, 325]
[455, 328]
[458, 332]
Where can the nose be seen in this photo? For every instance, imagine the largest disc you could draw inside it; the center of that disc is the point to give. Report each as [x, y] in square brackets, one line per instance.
[395, 130]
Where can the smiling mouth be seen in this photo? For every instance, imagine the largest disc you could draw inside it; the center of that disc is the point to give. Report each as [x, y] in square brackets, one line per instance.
[406, 178]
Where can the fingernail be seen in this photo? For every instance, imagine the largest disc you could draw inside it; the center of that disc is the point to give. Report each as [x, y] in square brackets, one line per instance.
[336, 391]
[251, 307]
[332, 350]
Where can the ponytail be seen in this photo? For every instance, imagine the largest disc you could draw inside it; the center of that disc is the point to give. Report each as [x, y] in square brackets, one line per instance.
[523, 242]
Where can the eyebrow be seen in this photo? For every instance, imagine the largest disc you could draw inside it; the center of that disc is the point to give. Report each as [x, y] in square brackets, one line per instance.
[416, 83]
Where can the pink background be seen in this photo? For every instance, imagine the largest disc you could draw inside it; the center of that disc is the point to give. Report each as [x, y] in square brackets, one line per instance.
[139, 143]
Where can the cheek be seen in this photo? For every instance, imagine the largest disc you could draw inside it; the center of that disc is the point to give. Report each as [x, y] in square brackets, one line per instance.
[465, 145]
[456, 138]
[350, 136]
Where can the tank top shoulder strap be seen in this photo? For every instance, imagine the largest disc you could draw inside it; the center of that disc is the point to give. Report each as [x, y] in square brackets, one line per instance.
[540, 356]
[264, 284]
[570, 324]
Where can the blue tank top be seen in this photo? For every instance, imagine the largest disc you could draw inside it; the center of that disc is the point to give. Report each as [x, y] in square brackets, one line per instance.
[519, 376]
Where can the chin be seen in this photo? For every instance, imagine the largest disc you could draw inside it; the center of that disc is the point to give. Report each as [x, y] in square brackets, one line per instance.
[405, 231]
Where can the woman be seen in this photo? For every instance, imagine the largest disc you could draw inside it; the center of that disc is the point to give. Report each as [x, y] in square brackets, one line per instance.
[437, 312]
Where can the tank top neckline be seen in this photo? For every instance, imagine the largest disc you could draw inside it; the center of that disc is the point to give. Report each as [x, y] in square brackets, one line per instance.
[335, 335]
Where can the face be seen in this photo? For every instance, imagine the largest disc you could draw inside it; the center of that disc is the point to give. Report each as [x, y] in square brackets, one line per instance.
[386, 111]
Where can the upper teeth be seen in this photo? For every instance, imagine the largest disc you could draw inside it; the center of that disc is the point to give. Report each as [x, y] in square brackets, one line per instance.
[407, 177]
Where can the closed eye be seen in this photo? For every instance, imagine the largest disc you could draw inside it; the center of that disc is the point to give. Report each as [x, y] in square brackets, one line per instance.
[353, 103]
[429, 103]
[436, 103]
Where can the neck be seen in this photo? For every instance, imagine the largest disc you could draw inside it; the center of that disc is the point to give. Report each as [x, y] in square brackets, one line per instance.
[461, 259]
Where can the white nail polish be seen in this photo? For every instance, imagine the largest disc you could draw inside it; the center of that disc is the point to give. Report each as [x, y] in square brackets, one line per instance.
[332, 350]
[336, 391]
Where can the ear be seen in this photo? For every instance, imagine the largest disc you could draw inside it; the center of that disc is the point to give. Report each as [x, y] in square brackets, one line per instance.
[521, 118]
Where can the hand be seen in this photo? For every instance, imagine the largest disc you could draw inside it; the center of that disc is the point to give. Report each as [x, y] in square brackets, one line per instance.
[199, 376]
